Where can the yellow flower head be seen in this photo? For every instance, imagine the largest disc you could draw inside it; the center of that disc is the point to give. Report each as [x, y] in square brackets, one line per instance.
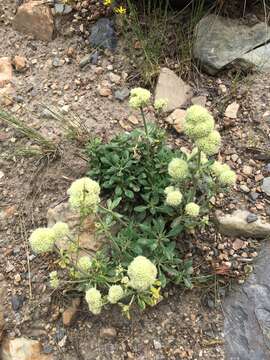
[54, 281]
[178, 169]
[115, 294]
[139, 98]
[160, 104]
[217, 168]
[94, 300]
[84, 263]
[192, 209]
[42, 240]
[227, 178]
[209, 144]
[84, 195]
[174, 198]
[60, 230]
[107, 2]
[142, 273]
[121, 10]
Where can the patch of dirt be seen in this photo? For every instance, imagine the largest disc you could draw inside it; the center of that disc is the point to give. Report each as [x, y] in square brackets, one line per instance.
[181, 326]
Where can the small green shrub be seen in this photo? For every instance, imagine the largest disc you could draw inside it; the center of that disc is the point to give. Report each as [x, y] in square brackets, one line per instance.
[154, 197]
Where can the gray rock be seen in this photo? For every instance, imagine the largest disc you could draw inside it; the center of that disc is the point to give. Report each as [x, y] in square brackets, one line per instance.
[259, 57]
[220, 41]
[266, 185]
[236, 224]
[62, 9]
[103, 35]
[85, 60]
[267, 168]
[122, 94]
[16, 302]
[247, 314]
[157, 345]
[254, 196]
[251, 218]
[173, 89]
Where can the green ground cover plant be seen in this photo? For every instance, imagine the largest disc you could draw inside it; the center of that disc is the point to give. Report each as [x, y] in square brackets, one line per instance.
[146, 198]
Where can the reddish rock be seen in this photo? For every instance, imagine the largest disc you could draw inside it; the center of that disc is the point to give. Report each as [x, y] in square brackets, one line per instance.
[7, 94]
[35, 18]
[69, 314]
[22, 349]
[5, 71]
[20, 63]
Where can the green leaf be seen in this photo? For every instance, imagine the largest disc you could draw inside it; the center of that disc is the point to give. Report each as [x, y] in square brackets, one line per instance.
[118, 191]
[116, 202]
[188, 283]
[129, 194]
[140, 208]
[176, 230]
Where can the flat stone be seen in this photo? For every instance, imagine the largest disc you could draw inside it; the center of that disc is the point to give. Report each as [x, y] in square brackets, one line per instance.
[69, 314]
[122, 94]
[236, 224]
[173, 89]
[176, 119]
[36, 19]
[199, 100]
[260, 58]
[22, 349]
[247, 314]
[247, 170]
[231, 110]
[87, 237]
[238, 244]
[220, 41]
[266, 186]
[105, 92]
[251, 218]
[108, 333]
[6, 73]
[7, 95]
[62, 9]
[114, 78]
[103, 35]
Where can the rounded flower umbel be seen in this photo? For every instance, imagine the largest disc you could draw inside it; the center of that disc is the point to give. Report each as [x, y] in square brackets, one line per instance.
[60, 230]
[178, 169]
[84, 195]
[174, 198]
[192, 209]
[84, 263]
[210, 144]
[42, 240]
[54, 281]
[115, 294]
[142, 273]
[94, 300]
[227, 178]
[160, 104]
[198, 122]
[139, 98]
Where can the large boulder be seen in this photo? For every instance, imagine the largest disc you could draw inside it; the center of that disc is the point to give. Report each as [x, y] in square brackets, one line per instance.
[220, 41]
[247, 314]
[36, 19]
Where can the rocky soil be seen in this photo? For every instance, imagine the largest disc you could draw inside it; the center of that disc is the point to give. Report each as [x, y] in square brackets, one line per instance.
[63, 73]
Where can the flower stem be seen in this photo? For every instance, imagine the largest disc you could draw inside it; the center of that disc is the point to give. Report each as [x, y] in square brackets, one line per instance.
[144, 123]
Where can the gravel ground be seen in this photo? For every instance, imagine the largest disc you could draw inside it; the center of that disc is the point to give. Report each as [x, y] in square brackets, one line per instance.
[181, 326]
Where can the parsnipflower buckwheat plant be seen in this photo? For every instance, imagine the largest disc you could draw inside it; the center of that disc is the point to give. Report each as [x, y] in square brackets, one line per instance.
[143, 197]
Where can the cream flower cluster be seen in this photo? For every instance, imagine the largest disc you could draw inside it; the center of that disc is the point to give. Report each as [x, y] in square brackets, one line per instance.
[142, 273]
[84, 263]
[160, 104]
[224, 174]
[94, 300]
[173, 196]
[43, 239]
[199, 126]
[192, 209]
[178, 169]
[115, 294]
[84, 195]
[54, 281]
[139, 98]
